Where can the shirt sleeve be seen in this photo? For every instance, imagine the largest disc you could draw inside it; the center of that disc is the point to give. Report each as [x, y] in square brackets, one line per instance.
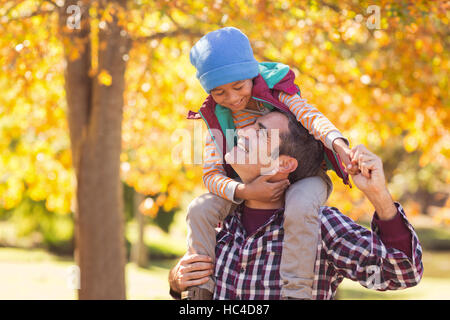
[312, 119]
[394, 233]
[372, 258]
[214, 175]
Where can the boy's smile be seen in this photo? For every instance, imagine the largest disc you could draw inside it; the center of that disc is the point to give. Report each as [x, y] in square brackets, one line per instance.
[234, 95]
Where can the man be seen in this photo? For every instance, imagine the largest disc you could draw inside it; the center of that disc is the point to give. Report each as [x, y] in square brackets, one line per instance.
[249, 245]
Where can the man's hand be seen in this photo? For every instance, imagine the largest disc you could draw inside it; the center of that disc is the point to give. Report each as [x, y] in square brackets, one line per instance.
[262, 189]
[372, 182]
[371, 178]
[344, 152]
[191, 270]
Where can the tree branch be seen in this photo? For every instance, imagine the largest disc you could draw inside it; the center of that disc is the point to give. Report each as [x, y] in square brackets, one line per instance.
[331, 6]
[169, 34]
[291, 64]
[53, 3]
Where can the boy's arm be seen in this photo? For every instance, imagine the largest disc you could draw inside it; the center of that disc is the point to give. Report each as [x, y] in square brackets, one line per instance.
[214, 175]
[319, 126]
[312, 119]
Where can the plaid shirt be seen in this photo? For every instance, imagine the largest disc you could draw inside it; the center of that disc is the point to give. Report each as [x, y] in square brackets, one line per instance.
[248, 267]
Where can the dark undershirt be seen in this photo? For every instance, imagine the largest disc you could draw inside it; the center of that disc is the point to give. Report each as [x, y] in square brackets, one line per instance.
[252, 219]
[395, 234]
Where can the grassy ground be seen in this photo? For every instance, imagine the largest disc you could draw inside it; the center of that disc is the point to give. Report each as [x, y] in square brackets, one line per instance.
[36, 274]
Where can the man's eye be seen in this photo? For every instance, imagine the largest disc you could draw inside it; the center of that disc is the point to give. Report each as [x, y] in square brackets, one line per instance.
[239, 88]
[218, 94]
[263, 133]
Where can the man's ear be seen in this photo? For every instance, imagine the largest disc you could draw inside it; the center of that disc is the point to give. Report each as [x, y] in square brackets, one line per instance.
[287, 164]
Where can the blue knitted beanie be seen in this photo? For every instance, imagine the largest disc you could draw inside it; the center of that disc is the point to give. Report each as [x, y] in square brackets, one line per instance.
[223, 56]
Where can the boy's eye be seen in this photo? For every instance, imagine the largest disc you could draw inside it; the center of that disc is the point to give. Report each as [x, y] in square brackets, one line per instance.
[239, 88]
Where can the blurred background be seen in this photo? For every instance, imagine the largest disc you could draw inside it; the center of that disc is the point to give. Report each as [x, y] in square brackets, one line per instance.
[93, 104]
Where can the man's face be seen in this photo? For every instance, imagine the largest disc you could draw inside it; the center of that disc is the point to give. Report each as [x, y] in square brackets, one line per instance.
[256, 152]
[234, 95]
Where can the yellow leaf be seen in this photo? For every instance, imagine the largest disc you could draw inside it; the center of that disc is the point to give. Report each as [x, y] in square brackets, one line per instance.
[410, 143]
[105, 78]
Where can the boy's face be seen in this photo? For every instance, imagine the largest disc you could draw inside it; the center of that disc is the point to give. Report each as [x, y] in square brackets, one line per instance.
[234, 95]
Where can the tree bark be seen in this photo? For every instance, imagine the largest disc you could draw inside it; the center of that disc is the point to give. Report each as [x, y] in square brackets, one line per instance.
[139, 250]
[95, 123]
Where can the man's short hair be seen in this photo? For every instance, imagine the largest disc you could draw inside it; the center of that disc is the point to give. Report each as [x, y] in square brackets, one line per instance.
[298, 143]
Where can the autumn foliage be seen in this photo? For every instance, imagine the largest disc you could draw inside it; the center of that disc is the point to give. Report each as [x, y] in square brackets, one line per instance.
[385, 87]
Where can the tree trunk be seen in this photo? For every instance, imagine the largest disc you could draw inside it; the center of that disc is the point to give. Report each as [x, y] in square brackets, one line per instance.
[95, 119]
[139, 251]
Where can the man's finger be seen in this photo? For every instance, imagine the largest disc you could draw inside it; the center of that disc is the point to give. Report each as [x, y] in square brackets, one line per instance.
[201, 265]
[198, 274]
[367, 166]
[195, 258]
[197, 282]
[365, 171]
[353, 169]
[365, 158]
[357, 151]
[196, 266]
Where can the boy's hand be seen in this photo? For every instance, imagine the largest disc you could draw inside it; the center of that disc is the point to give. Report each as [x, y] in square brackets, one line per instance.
[344, 152]
[263, 190]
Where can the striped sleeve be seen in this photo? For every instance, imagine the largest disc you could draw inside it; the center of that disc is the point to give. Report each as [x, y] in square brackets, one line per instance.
[312, 119]
[214, 175]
